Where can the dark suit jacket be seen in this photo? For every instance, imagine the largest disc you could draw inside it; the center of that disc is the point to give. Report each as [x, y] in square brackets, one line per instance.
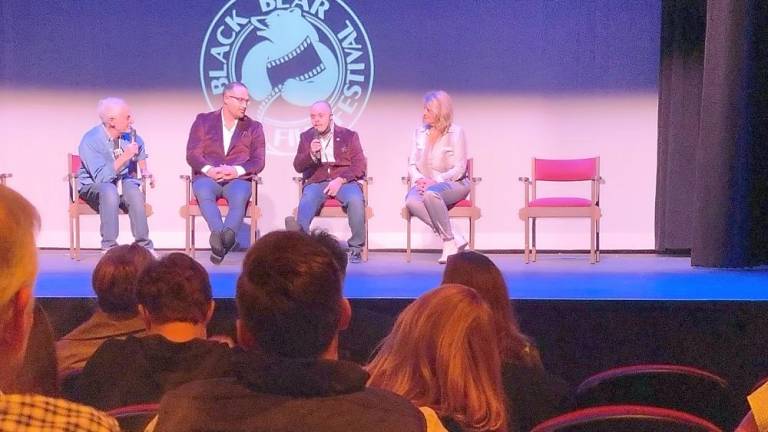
[350, 161]
[206, 144]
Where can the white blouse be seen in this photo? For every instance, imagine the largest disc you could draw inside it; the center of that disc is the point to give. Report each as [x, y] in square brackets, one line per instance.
[448, 158]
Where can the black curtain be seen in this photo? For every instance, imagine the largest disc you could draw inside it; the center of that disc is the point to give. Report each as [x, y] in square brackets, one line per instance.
[712, 180]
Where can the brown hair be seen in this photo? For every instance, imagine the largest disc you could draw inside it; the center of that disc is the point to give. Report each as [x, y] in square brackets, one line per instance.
[114, 278]
[175, 288]
[289, 295]
[477, 271]
[442, 354]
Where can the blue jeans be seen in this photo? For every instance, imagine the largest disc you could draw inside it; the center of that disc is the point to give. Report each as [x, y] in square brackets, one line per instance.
[350, 196]
[103, 198]
[237, 192]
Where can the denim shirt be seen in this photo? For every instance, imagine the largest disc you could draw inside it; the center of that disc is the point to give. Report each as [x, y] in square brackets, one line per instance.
[97, 158]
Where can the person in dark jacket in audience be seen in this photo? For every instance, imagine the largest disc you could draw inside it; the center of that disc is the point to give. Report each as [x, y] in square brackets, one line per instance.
[533, 395]
[114, 282]
[287, 376]
[175, 302]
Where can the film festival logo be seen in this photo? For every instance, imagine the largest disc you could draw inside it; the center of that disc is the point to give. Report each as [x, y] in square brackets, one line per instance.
[290, 53]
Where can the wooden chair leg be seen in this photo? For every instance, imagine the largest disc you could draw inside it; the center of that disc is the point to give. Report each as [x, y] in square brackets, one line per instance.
[365, 246]
[71, 237]
[526, 249]
[192, 236]
[77, 238]
[533, 239]
[597, 239]
[187, 248]
[592, 229]
[408, 239]
[471, 233]
[254, 220]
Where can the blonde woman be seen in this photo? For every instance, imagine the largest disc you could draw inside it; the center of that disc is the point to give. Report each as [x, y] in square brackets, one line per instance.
[533, 394]
[437, 167]
[443, 357]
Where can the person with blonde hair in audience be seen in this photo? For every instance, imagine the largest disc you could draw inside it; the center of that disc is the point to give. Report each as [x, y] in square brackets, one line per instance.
[117, 316]
[533, 395]
[443, 357]
[438, 169]
[19, 222]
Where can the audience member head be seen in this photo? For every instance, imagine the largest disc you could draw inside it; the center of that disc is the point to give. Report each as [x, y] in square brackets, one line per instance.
[438, 111]
[331, 244]
[442, 353]
[174, 289]
[114, 279]
[478, 272]
[19, 223]
[289, 298]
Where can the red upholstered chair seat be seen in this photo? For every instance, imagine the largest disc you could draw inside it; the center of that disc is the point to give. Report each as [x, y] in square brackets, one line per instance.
[332, 202]
[560, 202]
[463, 203]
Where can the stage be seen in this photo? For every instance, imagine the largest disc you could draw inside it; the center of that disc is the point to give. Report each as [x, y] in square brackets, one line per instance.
[559, 276]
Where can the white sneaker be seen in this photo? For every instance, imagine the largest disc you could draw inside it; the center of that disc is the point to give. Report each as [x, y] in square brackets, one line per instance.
[449, 248]
[461, 242]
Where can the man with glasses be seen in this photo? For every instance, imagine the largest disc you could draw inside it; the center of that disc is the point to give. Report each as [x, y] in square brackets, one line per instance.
[224, 148]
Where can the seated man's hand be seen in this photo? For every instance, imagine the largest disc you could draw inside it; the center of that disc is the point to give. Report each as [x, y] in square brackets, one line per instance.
[152, 179]
[214, 173]
[228, 172]
[333, 187]
[131, 150]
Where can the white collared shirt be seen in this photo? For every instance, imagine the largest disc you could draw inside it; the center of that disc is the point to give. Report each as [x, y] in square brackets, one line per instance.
[227, 133]
[326, 148]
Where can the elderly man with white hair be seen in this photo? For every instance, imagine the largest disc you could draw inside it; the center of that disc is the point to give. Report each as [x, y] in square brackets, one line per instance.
[18, 268]
[111, 154]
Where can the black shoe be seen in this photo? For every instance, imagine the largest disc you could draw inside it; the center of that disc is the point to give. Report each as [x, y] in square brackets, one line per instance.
[355, 257]
[217, 246]
[291, 224]
[216, 259]
[228, 239]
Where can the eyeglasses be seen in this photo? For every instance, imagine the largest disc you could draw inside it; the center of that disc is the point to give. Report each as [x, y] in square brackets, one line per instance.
[244, 101]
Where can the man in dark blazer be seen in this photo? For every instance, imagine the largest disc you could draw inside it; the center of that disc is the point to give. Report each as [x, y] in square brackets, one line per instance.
[224, 147]
[330, 160]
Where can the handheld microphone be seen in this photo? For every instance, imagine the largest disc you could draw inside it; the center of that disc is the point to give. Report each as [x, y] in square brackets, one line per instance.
[133, 140]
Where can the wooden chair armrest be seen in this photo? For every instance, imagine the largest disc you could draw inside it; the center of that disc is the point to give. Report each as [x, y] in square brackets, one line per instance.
[6, 175]
[368, 180]
[600, 179]
[476, 179]
[297, 179]
[185, 177]
[525, 180]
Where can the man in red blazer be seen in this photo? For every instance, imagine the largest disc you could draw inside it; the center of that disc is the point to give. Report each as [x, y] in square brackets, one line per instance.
[224, 147]
[330, 159]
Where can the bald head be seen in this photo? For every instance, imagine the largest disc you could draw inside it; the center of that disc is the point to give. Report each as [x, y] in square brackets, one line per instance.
[320, 115]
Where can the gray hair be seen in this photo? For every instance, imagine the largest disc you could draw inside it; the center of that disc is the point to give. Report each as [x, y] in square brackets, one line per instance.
[107, 107]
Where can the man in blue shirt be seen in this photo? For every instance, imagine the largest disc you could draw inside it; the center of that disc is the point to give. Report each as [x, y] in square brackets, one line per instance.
[111, 154]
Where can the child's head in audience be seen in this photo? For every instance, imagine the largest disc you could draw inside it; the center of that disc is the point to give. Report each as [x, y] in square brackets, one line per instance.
[289, 298]
[175, 289]
[477, 271]
[19, 222]
[114, 279]
[442, 354]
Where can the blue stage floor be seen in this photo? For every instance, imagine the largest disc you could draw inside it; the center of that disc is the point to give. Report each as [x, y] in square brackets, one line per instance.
[553, 277]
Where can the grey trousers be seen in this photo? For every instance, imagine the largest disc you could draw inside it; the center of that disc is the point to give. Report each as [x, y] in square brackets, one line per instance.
[432, 206]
